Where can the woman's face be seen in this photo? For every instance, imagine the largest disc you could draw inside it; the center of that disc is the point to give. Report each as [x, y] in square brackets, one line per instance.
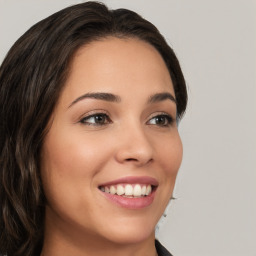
[113, 137]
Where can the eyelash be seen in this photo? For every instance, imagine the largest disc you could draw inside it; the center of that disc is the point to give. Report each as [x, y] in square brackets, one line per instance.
[168, 120]
[84, 120]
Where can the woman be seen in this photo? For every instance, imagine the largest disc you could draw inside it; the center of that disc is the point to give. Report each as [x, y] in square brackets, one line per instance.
[90, 100]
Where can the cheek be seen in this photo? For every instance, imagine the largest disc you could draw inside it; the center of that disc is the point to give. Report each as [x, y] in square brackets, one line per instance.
[67, 153]
[68, 165]
[170, 157]
[171, 153]
[169, 160]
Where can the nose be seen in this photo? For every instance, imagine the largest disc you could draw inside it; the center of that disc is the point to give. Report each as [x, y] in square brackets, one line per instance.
[134, 147]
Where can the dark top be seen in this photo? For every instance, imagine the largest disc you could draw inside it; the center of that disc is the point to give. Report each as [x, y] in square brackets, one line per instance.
[161, 251]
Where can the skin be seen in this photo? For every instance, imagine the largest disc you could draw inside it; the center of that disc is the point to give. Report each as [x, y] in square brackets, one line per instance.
[78, 156]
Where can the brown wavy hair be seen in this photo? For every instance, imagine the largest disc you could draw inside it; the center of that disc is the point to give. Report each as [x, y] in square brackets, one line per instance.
[31, 79]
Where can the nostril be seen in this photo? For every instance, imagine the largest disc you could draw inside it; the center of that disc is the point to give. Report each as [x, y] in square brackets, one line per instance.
[131, 159]
[138, 161]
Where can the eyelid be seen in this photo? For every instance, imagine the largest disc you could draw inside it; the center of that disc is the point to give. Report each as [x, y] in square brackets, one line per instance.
[94, 113]
[168, 116]
[160, 113]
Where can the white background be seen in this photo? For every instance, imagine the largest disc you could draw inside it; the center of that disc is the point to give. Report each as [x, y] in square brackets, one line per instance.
[215, 41]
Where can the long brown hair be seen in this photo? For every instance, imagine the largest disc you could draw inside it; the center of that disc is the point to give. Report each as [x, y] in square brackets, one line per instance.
[31, 78]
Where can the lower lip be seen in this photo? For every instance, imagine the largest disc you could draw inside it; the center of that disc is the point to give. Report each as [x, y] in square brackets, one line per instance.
[133, 202]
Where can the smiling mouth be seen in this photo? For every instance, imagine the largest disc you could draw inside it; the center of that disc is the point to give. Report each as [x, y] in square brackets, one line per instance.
[129, 190]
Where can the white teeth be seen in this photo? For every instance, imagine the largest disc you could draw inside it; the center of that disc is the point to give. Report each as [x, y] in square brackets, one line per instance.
[128, 190]
[143, 190]
[148, 191]
[137, 190]
[120, 190]
[112, 190]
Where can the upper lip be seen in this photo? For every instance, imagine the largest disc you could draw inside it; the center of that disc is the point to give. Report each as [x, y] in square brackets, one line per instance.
[132, 180]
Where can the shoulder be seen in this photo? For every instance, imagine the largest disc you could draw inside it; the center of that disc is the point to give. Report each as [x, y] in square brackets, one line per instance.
[161, 250]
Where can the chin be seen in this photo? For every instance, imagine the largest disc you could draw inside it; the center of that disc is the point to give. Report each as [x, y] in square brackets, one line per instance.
[130, 231]
[131, 236]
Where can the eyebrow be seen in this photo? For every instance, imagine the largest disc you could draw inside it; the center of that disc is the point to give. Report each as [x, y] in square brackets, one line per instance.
[98, 96]
[158, 97]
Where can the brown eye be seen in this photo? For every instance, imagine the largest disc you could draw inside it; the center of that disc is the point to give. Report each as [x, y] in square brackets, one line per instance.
[161, 120]
[100, 119]
[96, 119]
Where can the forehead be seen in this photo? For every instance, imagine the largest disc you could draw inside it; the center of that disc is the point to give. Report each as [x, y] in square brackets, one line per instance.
[117, 65]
